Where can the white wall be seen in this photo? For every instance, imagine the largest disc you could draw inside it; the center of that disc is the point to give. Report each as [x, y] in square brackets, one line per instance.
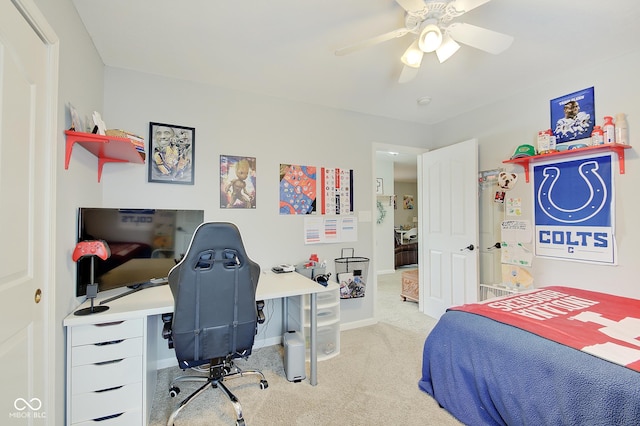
[272, 130]
[385, 254]
[80, 81]
[501, 127]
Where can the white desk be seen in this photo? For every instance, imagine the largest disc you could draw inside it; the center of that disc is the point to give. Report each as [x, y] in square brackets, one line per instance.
[146, 306]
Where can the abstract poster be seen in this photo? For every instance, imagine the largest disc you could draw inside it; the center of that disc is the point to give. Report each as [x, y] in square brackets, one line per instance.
[574, 210]
[297, 189]
[337, 191]
[237, 182]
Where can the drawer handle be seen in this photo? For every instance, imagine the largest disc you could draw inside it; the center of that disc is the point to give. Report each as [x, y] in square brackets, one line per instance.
[109, 389]
[107, 324]
[112, 342]
[113, 361]
[113, 416]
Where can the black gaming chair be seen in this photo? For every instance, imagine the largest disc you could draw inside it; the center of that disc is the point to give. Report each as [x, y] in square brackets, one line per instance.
[215, 311]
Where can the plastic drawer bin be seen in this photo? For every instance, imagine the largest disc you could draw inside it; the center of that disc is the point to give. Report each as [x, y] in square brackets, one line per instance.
[324, 298]
[325, 314]
[327, 340]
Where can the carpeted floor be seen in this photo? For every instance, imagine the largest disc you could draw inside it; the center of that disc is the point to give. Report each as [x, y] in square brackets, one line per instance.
[372, 382]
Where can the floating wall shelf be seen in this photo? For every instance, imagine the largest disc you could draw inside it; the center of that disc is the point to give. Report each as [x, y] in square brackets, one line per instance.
[108, 149]
[615, 147]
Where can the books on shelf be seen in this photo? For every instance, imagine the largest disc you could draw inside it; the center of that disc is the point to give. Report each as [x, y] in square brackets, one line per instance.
[136, 141]
[124, 134]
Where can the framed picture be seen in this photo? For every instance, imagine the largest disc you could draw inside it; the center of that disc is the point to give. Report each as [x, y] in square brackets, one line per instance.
[573, 116]
[171, 152]
[379, 187]
[237, 182]
[407, 201]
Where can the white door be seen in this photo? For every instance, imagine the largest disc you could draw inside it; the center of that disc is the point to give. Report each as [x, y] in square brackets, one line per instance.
[491, 215]
[449, 227]
[26, 179]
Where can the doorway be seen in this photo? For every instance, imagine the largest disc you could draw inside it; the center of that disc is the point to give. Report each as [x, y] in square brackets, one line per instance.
[391, 163]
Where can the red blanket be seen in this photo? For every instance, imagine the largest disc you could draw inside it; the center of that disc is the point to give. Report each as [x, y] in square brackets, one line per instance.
[603, 325]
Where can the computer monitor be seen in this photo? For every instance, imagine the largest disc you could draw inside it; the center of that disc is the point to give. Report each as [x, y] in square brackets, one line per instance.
[144, 244]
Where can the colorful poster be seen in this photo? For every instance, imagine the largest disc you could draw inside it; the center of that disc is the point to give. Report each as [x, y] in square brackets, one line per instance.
[573, 116]
[574, 210]
[337, 191]
[297, 189]
[237, 182]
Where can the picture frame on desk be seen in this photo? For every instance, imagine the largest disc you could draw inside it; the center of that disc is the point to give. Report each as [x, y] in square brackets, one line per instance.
[171, 153]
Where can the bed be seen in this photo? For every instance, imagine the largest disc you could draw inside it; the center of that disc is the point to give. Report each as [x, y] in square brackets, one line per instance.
[488, 364]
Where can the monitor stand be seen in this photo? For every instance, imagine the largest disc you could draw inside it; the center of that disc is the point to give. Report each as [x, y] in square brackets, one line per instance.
[154, 282]
[92, 292]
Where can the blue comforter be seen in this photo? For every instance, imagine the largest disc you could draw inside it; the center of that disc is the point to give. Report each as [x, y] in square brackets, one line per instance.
[487, 373]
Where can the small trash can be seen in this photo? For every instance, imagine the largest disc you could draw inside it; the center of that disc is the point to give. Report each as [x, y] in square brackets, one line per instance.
[294, 356]
[351, 273]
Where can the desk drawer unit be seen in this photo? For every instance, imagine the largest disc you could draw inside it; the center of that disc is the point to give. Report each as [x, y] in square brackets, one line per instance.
[105, 378]
[328, 317]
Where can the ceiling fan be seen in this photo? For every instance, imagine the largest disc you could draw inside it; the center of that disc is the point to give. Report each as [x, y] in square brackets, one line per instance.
[431, 22]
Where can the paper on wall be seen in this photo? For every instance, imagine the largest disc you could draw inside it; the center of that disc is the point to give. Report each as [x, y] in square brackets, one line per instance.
[516, 230]
[513, 253]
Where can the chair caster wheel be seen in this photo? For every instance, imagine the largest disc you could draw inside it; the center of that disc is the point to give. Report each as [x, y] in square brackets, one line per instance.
[240, 422]
[264, 384]
[174, 391]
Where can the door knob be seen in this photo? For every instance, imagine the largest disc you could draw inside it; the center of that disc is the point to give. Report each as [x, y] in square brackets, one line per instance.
[470, 247]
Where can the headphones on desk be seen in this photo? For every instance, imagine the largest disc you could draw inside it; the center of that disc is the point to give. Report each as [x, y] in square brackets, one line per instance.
[323, 279]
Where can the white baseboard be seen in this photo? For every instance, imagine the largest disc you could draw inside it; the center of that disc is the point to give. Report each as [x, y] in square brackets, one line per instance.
[358, 324]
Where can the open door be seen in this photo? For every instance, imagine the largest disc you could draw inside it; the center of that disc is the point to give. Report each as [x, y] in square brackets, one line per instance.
[448, 226]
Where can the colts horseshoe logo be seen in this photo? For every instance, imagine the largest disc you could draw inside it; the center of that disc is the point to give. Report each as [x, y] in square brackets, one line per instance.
[595, 201]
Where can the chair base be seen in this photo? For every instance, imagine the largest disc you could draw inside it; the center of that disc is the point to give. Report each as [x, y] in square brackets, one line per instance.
[218, 372]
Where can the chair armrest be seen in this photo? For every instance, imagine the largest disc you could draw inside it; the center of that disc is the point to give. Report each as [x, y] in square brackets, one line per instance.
[260, 306]
[167, 332]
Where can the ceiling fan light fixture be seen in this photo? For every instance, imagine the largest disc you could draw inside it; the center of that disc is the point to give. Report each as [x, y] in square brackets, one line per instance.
[447, 48]
[430, 38]
[412, 57]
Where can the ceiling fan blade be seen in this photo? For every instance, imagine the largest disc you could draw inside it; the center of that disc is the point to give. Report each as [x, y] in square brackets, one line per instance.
[413, 6]
[467, 5]
[408, 74]
[371, 41]
[447, 48]
[480, 38]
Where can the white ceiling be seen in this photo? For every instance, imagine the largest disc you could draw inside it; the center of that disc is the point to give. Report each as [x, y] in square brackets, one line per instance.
[285, 48]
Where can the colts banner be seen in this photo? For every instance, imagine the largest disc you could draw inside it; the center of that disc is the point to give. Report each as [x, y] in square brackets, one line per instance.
[574, 210]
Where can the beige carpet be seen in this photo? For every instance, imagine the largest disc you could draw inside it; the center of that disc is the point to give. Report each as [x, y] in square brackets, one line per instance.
[372, 382]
